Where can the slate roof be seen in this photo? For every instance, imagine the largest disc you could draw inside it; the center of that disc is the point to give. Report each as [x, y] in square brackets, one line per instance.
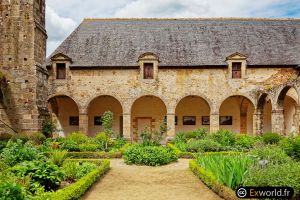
[183, 42]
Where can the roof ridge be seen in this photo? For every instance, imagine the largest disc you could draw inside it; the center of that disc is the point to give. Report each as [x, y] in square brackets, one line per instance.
[200, 18]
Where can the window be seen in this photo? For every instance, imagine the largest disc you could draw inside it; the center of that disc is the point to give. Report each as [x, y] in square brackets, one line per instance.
[189, 120]
[74, 121]
[60, 71]
[226, 120]
[236, 70]
[148, 70]
[98, 120]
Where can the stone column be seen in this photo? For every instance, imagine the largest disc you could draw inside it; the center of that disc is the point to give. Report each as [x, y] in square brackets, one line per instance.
[127, 126]
[297, 119]
[170, 126]
[214, 122]
[278, 121]
[257, 122]
[83, 123]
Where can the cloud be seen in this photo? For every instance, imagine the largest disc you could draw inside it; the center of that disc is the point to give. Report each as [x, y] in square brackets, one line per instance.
[58, 28]
[206, 8]
[63, 16]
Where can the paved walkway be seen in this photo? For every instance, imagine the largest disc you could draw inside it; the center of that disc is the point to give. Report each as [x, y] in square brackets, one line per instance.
[170, 182]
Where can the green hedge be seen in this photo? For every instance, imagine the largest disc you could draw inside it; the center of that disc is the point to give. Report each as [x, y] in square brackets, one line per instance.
[76, 190]
[97, 155]
[211, 181]
[179, 153]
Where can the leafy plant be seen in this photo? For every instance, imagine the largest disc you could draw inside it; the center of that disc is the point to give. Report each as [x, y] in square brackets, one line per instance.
[198, 134]
[202, 145]
[46, 173]
[102, 140]
[228, 169]
[224, 137]
[148, 155]
[244, 141]
[88, 147]
[85, 168]
[284, 174]
[119, 142]
[70, 170]
[70, 145]
[11, 191]
[107, 122]
[78, 137]
[48, 127]
[271, 154]
[37, 138]
[58, 157]
[16, 152]
[271, 138]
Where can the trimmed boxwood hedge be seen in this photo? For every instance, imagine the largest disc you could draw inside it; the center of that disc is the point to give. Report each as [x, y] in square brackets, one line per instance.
[97, 155]
[211, 181]
[77, 189]
[179, 153]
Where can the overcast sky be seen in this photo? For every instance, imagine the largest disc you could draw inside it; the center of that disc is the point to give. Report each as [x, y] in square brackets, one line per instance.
[63, 16]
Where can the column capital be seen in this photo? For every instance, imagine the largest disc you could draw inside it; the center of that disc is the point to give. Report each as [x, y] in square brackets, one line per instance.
[214, 113]
[170, 113]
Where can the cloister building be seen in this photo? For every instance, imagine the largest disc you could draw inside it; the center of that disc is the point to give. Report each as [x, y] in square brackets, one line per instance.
[235, 74]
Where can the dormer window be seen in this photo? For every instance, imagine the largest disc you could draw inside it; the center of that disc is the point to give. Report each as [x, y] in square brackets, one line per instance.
[237, 64]
[60, 70]
[237, 70]
[148, 70]
[148, 63]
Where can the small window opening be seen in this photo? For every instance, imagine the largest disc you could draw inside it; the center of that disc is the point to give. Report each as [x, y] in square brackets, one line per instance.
[148, 70]
[236, 70]
[60, 71]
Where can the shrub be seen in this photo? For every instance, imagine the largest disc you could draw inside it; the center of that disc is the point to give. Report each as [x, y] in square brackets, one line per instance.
[102, 140]
[179, 138]
[202, 145]
[16, 152]
[46, 173]
[228, 169]
[58, 157]
[70, 170]
[271, 138]
[24, 137]
[181, 146]
[285, 174]
[244, 141]
[119, 142]
[5, 136]
[37, 138]
[287, 145]
[78, 137]
[48, 127]
[88, 147]
[296, 148]
[224, 137]
[2, 145]
[273, 154]
[70, 145]
[11, 191]
[200, 133]
[107, 121]
[84, 169]
[149, 155]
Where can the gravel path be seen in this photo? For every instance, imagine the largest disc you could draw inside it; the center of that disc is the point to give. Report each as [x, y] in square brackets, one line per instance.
[170, 182]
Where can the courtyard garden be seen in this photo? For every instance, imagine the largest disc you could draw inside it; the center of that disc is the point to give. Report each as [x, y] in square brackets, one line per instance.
[33, 166]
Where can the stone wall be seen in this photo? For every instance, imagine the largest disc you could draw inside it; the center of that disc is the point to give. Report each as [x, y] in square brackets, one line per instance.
[22, 58]
[171, 85]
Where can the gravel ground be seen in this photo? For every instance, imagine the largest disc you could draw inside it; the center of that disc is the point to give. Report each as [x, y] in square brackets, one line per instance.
[170, 182]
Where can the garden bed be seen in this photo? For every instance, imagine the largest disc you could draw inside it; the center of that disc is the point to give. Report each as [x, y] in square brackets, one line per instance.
[77, 189]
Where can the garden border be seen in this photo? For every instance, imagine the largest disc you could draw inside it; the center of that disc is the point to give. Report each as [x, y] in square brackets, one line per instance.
[211, 181]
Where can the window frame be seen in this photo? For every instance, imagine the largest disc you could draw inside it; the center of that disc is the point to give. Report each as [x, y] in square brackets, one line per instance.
[58, 71]
[239, 69]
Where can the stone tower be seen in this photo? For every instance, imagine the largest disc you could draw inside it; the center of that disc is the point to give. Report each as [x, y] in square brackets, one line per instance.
[23, 97]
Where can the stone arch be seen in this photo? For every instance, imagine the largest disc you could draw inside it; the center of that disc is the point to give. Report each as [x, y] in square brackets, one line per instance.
[208, 101]
[193, 107]
[287, 109]
[95, 109]
[164, 100]
[236, 114]
[64, 110]
[264, 112]
[147, 111]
